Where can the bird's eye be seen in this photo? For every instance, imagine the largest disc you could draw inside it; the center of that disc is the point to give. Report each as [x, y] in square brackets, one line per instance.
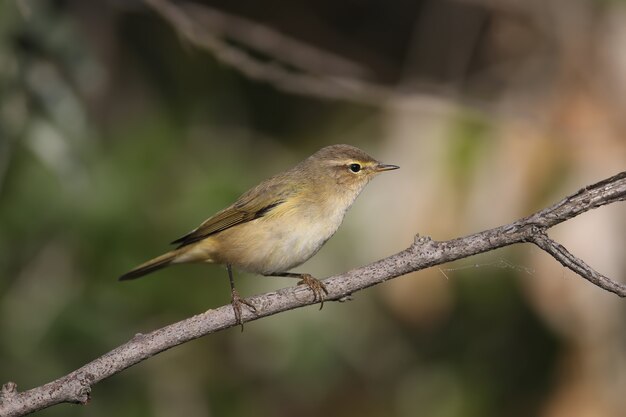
[355, 167]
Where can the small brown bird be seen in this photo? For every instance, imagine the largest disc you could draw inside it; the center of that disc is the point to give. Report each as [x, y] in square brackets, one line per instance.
[280, 223]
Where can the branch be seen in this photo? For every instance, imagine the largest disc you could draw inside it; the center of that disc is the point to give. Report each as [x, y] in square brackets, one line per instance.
[208, 35]
[423, 253]
[268, 41]
[577, 265]
[290, 65]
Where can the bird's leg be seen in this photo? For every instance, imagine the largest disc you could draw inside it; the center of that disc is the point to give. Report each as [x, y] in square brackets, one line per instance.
[235, 299]
[319, 289]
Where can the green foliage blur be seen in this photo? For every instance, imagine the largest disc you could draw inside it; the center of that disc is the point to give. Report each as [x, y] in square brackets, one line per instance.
[117, 136]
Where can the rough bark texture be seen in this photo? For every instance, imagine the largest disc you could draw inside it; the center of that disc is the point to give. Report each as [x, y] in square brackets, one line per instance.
[423, 253]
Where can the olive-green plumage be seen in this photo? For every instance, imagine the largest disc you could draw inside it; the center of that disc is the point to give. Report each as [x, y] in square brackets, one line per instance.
[283, 221]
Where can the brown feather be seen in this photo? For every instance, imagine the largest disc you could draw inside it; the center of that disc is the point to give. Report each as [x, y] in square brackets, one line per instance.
[251, 205]
[150, 266]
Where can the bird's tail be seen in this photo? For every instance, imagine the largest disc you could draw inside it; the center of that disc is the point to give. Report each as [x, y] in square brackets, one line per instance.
[151, 266]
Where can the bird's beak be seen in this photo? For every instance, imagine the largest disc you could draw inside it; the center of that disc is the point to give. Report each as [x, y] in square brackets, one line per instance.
[385, 167]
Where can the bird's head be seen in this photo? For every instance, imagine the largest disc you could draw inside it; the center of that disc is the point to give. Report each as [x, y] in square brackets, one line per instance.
[346, 166]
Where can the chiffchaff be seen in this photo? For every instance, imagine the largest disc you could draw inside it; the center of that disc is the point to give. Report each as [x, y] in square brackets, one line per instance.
[280, 223]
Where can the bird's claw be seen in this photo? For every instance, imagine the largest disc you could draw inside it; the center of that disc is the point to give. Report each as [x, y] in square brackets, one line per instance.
[236, 301]
[319, 289]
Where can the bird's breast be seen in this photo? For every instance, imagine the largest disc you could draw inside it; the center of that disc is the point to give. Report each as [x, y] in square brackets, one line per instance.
[283, 239]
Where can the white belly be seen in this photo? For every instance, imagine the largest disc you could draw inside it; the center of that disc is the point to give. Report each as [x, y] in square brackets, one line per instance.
[298, 245]
[277, 244]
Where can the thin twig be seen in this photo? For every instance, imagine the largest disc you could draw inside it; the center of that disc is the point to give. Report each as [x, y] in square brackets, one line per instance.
[273, 43]
[290, 65]
[424, 253]
[577, 265]
[299, 82]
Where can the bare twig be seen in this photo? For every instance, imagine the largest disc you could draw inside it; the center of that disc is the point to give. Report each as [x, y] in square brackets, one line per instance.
[273, 43]
[304, 82]
[577, 265]
[290, 65]
[425, 252]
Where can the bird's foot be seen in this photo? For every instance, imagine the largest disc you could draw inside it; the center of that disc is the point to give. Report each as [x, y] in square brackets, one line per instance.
[236, 301]
[319, 289]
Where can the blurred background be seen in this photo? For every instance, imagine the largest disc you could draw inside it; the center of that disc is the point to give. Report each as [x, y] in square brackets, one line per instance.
[123, 124]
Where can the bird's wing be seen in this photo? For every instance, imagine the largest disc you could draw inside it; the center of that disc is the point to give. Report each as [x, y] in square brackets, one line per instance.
[250, 206]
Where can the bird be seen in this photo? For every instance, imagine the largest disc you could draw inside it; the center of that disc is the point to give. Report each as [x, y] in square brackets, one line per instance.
[279, 224]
